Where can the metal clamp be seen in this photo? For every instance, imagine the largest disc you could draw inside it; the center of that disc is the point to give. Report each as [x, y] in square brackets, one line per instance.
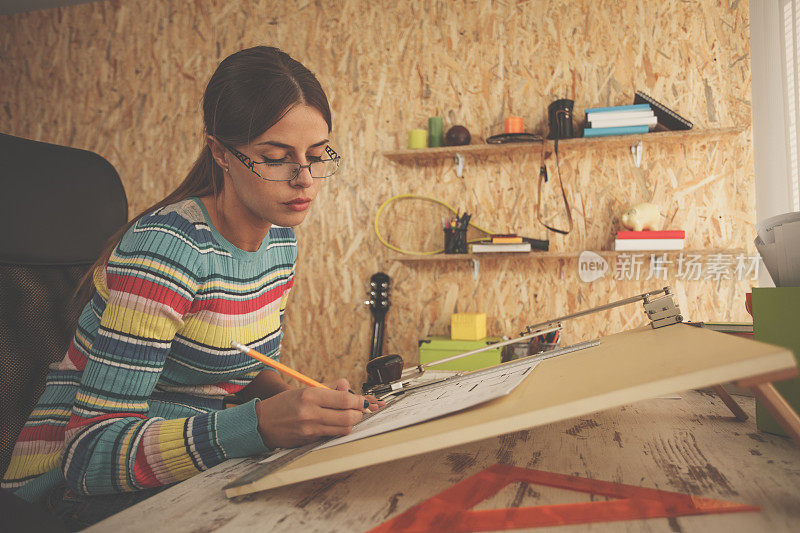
[662, 311]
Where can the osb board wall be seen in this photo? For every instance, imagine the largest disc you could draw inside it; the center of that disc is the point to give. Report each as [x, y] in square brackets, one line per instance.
[124, 78]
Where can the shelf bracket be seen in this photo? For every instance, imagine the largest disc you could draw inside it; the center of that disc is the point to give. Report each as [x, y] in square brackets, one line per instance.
[459, 159]
[475, 268]
[636, 152]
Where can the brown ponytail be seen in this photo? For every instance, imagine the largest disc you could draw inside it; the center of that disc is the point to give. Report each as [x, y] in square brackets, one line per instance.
[247, 94]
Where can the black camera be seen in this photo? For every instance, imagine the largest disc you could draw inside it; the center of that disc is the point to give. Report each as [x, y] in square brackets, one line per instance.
[560, 118]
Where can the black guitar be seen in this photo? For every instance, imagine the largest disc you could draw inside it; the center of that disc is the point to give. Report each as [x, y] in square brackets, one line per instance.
[381, 369]
[378, 305]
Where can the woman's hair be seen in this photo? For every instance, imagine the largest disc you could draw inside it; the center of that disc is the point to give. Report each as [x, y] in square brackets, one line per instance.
[248, 93]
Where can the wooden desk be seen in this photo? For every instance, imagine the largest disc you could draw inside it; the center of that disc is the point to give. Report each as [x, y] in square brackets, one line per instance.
[691, 445]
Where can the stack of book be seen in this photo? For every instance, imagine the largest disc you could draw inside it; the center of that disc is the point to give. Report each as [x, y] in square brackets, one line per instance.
[508, 242]
[619, 120]
[628, 241]
[646, 114]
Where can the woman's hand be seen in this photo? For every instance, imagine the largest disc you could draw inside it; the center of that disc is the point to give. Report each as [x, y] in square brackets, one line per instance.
[343, 384]
[266, 383]
[299, 416]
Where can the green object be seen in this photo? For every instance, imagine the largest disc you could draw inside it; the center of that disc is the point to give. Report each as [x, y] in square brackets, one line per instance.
[435, 348]
[776, 320]
[435, 133]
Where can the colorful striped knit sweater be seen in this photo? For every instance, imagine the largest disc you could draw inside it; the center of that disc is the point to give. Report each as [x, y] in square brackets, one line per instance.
[137, 400]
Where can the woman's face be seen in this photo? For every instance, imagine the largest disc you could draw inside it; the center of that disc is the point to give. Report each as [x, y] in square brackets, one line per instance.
[300, 136]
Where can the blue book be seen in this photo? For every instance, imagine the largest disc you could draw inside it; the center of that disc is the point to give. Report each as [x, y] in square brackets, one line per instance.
[634, 107]
[621, 130]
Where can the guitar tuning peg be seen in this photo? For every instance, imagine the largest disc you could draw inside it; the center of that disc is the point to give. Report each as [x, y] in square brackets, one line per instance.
[384, 294]
[369, 302]
[384, 303]
[384, 285]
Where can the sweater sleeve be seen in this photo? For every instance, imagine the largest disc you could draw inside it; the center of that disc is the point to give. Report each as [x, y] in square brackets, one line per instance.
[111, 444]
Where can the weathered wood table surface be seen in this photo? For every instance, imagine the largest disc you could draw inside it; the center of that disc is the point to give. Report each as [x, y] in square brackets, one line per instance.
[691, 445]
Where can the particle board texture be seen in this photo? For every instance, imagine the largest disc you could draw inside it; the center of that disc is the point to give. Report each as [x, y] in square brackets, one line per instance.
[124, 78]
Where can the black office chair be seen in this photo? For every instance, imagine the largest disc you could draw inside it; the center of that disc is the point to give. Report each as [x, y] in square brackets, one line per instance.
[58, 206]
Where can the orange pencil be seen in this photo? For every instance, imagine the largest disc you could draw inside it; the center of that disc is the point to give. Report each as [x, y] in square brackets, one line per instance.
[277, 366]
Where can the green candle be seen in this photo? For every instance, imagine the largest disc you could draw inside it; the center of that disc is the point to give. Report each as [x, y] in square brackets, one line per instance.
[435, 131]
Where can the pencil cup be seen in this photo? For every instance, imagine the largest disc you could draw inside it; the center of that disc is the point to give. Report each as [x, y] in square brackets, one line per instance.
[455, 240]
[537, 345]
[511, 352]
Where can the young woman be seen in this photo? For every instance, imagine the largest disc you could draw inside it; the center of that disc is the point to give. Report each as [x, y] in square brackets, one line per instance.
[150, 391]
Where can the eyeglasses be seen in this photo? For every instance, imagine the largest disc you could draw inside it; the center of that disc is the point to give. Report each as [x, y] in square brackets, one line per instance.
[286, 170]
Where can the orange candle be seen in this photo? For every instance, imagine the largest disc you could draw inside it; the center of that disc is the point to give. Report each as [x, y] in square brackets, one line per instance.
[513, 125]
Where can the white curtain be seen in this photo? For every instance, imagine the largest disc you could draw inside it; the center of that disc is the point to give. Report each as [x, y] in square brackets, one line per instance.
[790, 55]
[775, 81]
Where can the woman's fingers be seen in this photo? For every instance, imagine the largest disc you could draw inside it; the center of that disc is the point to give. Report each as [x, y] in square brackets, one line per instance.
[341, 418]
[374, 403]
[339, 384]
[336, 399]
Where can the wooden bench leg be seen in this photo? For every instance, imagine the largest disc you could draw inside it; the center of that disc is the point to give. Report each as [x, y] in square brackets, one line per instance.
[779, 408]
[737, 411]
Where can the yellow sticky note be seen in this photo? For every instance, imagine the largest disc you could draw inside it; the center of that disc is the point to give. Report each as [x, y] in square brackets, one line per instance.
[467, 326]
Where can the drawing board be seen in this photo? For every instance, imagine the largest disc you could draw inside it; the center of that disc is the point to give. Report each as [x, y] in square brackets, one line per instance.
[624, 368]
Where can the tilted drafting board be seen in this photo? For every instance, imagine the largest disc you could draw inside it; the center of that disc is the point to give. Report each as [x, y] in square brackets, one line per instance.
[624, 368]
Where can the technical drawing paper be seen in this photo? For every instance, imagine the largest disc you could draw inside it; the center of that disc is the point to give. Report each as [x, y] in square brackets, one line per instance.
[455, 394]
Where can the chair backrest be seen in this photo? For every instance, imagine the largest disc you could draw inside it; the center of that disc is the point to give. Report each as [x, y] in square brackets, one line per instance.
[58, 206]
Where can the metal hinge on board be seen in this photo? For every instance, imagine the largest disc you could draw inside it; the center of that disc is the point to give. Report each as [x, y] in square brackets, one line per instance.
[662, 311]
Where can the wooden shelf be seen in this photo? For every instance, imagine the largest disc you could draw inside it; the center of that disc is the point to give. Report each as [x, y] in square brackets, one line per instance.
[553, 255]
[429, 155]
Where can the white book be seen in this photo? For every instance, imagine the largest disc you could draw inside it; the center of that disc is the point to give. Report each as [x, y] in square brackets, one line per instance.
[629, 245]
[601, 122]
[501, 247]
[607, 115]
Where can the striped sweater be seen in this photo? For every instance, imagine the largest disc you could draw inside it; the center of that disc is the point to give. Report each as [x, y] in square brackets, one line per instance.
[136, 401]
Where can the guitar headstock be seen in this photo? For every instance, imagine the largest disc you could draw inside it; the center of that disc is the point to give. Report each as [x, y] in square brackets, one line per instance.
[379, 288]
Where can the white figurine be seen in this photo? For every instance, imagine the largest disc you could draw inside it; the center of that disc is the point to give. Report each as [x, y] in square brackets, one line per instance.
[644, 216]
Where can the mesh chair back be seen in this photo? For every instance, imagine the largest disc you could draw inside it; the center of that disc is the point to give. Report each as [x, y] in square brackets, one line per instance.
[59, 206]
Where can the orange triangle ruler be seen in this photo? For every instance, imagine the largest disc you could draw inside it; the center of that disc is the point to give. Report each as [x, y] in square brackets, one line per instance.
[450, 510]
